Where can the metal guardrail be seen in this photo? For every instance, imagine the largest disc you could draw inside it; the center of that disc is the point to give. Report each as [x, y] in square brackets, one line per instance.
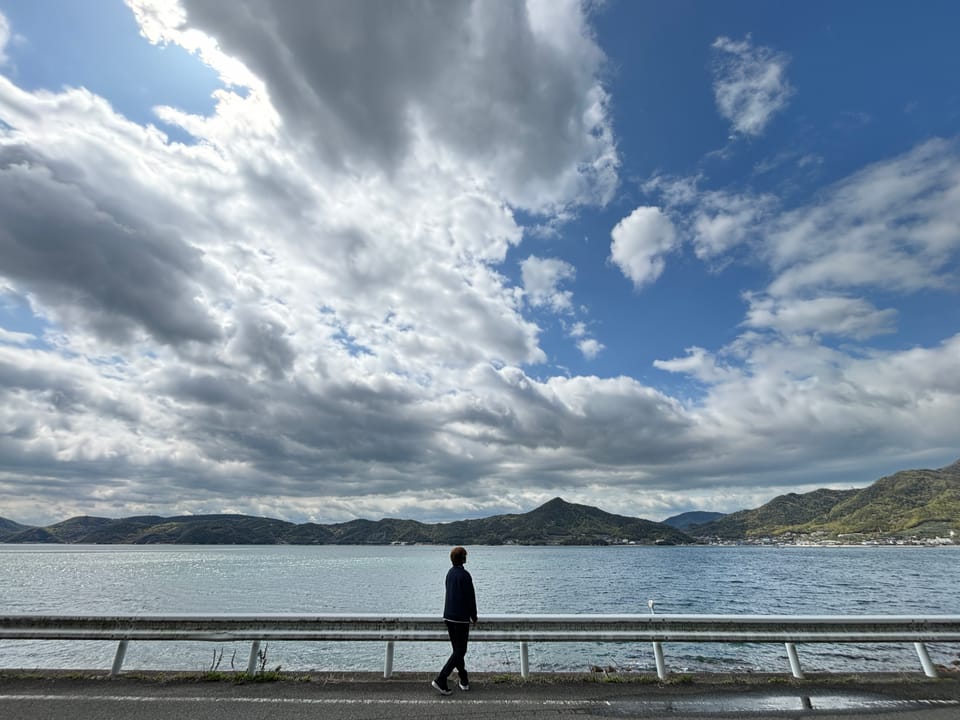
[657, 629]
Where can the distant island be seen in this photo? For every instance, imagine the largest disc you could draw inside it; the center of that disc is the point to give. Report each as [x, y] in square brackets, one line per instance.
[555, 523]
[687, 520]
[908, 507]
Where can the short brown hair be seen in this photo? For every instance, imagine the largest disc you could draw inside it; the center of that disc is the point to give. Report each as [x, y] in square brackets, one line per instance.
[458, 556]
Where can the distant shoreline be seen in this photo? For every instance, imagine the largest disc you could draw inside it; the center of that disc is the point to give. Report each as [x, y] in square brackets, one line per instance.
[740, 545]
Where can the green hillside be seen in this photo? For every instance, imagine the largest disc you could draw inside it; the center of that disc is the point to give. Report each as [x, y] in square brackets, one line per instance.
[784, 511]
[9, 527]
[923, 502]
[76, 529]
[900, 503]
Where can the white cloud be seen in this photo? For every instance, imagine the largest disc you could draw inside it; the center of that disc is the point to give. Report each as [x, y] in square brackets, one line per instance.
[827, 315]
[715, 221]
[132, 276]
[697, 363]
[590, 347]
[888, 230]
[165, 21]
[9, 337]
[893, 225]
[750, 84]
[724, 220]
[4, 38]
[370, 88]
[641, 242]
[541, 281]
[791, 398]
[675, 191]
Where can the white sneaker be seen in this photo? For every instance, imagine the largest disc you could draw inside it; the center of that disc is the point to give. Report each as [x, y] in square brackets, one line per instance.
[440, 689]
[463, 686]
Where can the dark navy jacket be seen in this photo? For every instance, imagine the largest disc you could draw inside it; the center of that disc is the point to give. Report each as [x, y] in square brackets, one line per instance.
[460, 601]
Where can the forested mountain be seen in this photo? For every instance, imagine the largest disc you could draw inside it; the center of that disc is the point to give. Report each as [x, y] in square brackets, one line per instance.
[9, 526]
[782, 512]
[555, 523]
[920, 502]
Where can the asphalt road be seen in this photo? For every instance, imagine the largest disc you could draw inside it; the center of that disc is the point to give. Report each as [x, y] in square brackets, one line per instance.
[349, 698]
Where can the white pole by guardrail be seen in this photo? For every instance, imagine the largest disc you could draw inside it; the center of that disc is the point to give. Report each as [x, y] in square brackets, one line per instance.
[388, 660]
[118, 658]
[794, 660]
[254, 655]
[928, 667]
[657, 649]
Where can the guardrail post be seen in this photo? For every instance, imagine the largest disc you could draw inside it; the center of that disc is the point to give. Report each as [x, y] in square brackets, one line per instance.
[524, 661]
[388, 660]
[794, 661]
[118, 658]
[928, 667]
[658, 658]
[254, 654]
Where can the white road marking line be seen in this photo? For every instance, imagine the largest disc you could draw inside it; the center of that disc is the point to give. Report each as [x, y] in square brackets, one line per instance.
[676, 703]
[298, 701]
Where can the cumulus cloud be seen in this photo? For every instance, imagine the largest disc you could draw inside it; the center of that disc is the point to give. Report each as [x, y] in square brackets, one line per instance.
[749, 84]
[541, 281]
[590, 347]
[798, 394]
[714, 221]
[372, 87]
[641, 242]
[89, 266]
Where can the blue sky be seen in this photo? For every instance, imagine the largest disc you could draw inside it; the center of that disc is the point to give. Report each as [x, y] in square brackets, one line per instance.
[443, 260]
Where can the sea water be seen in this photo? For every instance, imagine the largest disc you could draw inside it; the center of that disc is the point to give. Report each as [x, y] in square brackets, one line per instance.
[167, 579]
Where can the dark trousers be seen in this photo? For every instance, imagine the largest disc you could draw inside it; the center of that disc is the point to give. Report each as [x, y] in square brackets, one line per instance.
[459, 634]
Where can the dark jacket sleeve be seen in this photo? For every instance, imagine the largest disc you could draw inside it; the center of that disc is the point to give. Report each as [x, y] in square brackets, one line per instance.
[460, 603]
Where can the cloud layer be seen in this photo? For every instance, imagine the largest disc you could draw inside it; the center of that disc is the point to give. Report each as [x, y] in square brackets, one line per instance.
[307, 311]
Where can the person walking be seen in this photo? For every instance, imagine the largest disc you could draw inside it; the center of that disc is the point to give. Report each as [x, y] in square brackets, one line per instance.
[459, 612]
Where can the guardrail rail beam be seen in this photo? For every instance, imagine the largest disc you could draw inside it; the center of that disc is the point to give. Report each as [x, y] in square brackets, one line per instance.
[524, 629]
